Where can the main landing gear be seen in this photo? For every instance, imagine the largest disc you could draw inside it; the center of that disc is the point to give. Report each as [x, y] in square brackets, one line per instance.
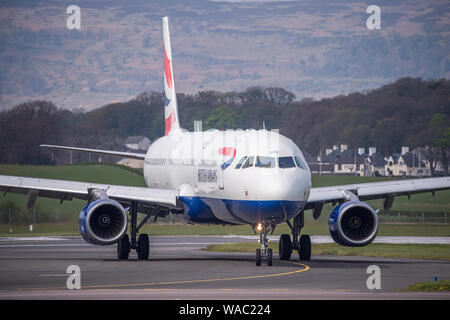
[265, 252]
[139, 243]
[302, 244]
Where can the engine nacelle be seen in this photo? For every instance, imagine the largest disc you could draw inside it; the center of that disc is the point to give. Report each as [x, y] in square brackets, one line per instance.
[353, 224]
[103, 221]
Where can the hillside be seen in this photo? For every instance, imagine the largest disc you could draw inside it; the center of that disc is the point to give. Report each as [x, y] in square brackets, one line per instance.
[313, 49]
[388, 118]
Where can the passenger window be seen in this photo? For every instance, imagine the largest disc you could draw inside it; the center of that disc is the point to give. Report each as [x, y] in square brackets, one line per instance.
[286, 162]
[249, 162]
[300, 163]
[240, 163]
[265, 162]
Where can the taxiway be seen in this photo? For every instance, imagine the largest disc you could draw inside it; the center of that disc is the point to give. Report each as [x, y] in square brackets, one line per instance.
[35, 268]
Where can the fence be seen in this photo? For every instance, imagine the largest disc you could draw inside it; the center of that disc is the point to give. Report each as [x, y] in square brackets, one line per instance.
[413, 217]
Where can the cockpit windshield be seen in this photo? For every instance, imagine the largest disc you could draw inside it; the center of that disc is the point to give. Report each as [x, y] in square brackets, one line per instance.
[249, 162]
[301, 164]
[270, 162]
[240, 163]
[286, 162]
[265, 162]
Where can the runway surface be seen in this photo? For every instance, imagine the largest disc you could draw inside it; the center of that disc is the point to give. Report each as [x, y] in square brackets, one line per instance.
[35, 268]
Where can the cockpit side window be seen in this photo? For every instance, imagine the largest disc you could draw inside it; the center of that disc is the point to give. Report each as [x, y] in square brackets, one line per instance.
[240, 163]
[249, 162]
[286, 162]
[265, 162]
[300, 163]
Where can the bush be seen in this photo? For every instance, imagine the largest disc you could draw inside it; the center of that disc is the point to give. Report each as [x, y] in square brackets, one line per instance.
[9, 206]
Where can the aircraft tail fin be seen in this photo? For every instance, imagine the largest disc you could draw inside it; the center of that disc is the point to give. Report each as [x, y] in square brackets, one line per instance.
[170, 99]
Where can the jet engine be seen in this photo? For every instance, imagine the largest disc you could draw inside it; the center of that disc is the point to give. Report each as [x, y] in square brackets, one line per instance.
[353, 224]
[103, 221]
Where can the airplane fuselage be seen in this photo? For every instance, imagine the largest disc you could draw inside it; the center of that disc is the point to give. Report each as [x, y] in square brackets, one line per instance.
[231, 177]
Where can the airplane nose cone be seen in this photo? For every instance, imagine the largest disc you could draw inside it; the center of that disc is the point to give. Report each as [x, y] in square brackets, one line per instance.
[290, 186]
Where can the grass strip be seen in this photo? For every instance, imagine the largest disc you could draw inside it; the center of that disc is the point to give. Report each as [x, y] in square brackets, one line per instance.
[411, 251]
[70, 227]
[435, 286]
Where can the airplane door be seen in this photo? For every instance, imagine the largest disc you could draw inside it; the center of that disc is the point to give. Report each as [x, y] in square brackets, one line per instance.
[166, 173]
[163, 177]
[195, 173]
[220, 177]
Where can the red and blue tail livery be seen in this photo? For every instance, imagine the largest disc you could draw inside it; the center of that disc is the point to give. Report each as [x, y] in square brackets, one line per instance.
[170, 101]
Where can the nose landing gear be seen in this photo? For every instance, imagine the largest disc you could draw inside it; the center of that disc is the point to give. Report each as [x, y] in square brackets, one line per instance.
[265, 252]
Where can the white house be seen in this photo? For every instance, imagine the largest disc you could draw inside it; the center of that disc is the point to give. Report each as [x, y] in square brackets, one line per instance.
[138, 143]
[342, 161]
[376, 165]
[349, 162]
[407, 164]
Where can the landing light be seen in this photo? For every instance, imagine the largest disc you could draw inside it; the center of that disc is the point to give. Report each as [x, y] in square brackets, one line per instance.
[259, 227]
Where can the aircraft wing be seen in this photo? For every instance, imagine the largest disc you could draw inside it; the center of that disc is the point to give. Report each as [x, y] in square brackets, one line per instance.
[387, 190]
[131, 155]
[68, 190]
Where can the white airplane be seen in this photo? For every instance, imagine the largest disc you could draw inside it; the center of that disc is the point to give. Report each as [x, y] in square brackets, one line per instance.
[254, 177]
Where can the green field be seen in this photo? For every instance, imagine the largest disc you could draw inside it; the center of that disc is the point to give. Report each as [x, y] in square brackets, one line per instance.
[51, 217]
[411, 251]
[50, 210]
[164, 229]
[419, 203]
[435, 286]
[107, 173]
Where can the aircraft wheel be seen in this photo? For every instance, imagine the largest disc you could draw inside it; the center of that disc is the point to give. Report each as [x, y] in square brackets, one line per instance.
[305, 247]
[258, 257]
[143, 247]
[269, 257]
[123, 248]
[285, 247]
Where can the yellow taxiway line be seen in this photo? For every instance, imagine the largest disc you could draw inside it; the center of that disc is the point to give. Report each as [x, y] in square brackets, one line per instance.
[112, 286]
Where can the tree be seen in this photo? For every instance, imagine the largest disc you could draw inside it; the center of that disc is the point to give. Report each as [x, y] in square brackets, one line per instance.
[24, 128]
[432, 154]
[222, 118]
[279, 96]
[439, 128]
